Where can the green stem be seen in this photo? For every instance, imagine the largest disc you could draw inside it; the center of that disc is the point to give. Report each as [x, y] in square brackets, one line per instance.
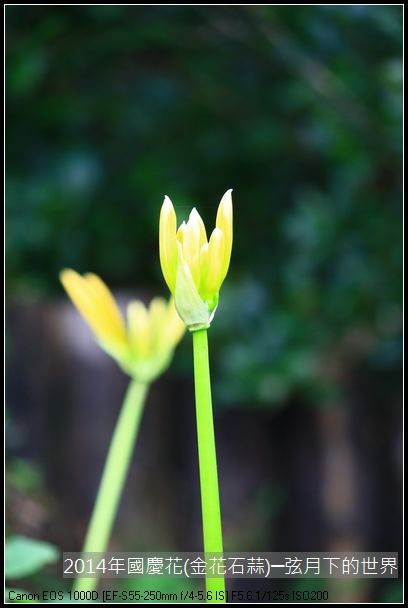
[113, 477]
[210, 500]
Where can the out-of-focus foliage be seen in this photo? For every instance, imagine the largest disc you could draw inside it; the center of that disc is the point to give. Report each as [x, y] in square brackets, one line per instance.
[26, 556]
[297, 108]
[24, 476]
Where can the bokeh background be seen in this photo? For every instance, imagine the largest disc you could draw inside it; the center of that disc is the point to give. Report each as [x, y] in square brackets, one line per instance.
[298, 109]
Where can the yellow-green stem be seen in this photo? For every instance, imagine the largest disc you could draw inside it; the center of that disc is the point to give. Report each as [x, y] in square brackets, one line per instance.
[210, 500]
[113, 477]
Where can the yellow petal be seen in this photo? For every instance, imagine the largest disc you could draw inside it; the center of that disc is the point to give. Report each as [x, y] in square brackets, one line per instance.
[224, 223]
[174, 327]
[157, 314]
[214, 276]
[104, 319]
[203, 267]
[191, 247]
[195, 217]
[180, 232]
[111, 321]
[76, 288]
[139, 329]
[167, 242]
[157, 310]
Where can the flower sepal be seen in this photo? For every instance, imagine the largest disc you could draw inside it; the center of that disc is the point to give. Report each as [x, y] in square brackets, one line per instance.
[195, 312]
[147, 370]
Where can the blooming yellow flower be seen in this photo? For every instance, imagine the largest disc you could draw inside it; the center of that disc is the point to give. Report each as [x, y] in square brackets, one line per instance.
[144, 346]
[193, 267]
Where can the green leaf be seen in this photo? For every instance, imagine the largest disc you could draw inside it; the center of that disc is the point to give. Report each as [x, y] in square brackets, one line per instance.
[24, 556]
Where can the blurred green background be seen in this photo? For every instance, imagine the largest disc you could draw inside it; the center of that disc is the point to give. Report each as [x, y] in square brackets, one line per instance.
[299, 110]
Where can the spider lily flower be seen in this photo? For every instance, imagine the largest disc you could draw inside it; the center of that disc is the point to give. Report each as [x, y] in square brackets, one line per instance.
[143, 347]
[193, 267]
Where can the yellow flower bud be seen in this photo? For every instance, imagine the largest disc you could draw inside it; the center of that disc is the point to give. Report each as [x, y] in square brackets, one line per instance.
[194, 269]
[144, 347]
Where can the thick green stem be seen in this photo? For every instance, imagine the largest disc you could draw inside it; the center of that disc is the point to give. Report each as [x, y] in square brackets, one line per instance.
[113, 477]
[210, 500]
